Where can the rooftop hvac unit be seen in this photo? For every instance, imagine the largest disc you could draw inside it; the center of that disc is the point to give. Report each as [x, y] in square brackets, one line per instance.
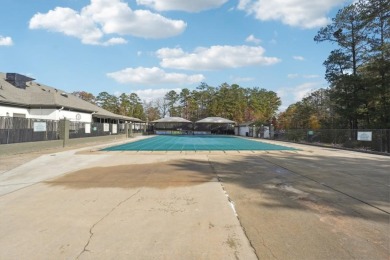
[18, 80]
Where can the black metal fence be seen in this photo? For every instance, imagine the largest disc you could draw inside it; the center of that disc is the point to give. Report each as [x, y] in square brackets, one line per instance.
[18, 130]
[81, 129]
[377, 140]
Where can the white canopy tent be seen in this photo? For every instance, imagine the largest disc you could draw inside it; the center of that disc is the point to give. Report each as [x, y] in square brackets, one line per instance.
[171, 120]
[216, 120]
[214, 125]
[172, 125]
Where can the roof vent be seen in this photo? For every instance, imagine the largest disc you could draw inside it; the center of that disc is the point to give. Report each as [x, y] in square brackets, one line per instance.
[64, 94]
[18, 80]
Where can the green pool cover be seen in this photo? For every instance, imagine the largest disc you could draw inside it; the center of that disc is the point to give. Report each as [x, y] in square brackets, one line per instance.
[196, 143]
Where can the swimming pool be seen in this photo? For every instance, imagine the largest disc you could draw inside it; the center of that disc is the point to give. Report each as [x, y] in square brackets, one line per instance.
[196, 143]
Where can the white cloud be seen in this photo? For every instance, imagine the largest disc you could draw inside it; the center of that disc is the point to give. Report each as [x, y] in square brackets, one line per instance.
[6, 41]
[68, 22]
[290, 95]
[282, 94]
[115, 41]
[251, 38]
[153, 76]
[299, 13]
[300, 58]
[116, 16]
[214, 57]
[304, 89]
[180, 5]
[104, 17]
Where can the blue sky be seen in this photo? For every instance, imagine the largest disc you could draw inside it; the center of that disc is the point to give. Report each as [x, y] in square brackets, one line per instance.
[152, 46]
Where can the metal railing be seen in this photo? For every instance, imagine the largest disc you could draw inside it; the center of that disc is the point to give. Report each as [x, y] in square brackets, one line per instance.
[377, 140]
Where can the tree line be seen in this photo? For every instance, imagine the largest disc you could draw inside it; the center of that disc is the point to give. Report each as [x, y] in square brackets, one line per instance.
[233, 102]
[358, 72]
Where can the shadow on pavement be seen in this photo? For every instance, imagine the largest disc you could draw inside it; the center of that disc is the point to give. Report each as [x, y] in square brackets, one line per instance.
[155, 175]
[353, 187]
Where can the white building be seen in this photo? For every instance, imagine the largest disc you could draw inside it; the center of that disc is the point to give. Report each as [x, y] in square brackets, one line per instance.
[244, 129]
[20, 96]
[249, 129]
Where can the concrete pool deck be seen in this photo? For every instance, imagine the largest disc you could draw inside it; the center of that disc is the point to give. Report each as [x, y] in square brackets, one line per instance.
[315, 203]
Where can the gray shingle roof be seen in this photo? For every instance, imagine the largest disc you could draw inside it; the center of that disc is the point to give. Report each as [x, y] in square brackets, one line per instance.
[39, 95]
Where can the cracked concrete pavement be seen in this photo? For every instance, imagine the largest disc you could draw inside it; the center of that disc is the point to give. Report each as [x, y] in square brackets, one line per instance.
[315, 203]
[118, 206]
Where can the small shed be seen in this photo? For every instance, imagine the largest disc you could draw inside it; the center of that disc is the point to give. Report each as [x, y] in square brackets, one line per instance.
[172, 125]
[214, 125]
[251, 130]
[244, 129]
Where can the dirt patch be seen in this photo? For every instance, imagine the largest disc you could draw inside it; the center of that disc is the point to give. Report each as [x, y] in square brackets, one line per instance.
[156, 175]
[10, 162]
[10, 159]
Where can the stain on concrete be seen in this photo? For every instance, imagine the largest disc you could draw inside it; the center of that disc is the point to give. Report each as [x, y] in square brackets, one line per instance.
[234, 244]
[160, 175]
[231, 243]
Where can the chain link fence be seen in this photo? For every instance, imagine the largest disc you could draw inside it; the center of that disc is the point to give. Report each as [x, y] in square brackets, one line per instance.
[377, 140]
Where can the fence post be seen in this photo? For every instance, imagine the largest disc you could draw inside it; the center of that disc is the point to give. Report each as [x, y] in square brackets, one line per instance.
[64, 131]
[381, 138]
[8, 127]
[131, 129]
[387, 140]
[127, 130]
